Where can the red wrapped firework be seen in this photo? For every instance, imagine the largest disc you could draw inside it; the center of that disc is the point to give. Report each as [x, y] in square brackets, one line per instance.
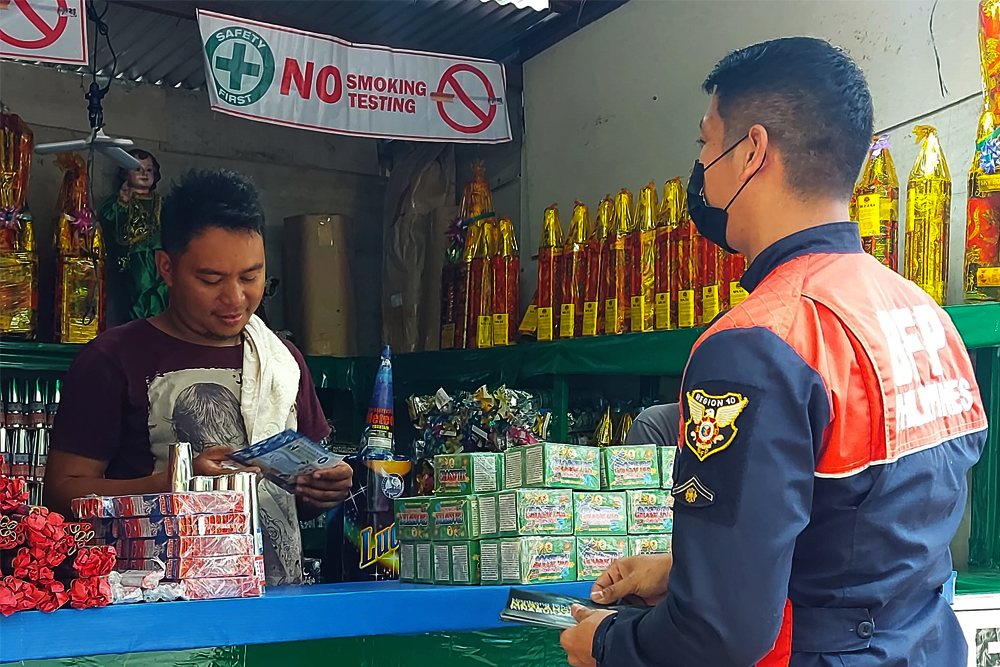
[593, 299]
[668, 217]
[506, 268]
[186, 547]
[449, 285]
[549, 278]
[31, 565]
[13, 493]
[732, 293]
[180, 526]
[687, 273]
[51, 596]
[159, 504]
[989, 50]
[574, 275]
[643, 265]
[221, 587]
[196, 568]
[480, 322]
[95, 561]
[47, 530]
[11, 533]
[615, 265]
[17, 595]
[711, 266]
[87, 592]
[463, 289]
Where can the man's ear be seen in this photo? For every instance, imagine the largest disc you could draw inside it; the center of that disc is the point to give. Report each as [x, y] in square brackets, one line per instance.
[757, 153]
[165, 266]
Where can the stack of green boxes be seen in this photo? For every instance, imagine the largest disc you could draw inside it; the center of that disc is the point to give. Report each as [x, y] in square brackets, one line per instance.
[535, 514]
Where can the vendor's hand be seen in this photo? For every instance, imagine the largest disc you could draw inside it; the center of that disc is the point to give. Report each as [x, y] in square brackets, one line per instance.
[578, 641]
[325, 489]
[214, 461]
[642, 577]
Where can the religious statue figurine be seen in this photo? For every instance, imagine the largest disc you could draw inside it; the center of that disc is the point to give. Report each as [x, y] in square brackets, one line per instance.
[131, 220]
[79, 257]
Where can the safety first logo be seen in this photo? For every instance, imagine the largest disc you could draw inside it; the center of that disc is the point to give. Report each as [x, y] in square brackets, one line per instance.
[241, 63]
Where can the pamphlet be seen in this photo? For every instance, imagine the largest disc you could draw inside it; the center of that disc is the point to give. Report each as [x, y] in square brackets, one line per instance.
[285, 457]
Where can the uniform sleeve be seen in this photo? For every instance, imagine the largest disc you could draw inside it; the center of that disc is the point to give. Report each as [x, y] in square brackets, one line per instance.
[754, 414]
[308, 411]
[89, 420]
[656, 425]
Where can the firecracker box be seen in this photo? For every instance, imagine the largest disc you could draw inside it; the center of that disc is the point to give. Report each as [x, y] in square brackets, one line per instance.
[631, 467]
[413, 518]
[185, 547]
[458, 518]
[551, 465]
[667, 456]
[465, 563]
[643, 545]
[595, 554]
[467, 473]
[600, 513]
[531, 512]
[650, 511]
[513, 468]
[441, 566]
[528, 560]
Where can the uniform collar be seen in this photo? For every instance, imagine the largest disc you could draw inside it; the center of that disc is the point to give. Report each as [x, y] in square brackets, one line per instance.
[835, 237]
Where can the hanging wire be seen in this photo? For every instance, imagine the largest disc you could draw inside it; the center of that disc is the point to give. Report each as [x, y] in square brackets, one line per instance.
[937, 56]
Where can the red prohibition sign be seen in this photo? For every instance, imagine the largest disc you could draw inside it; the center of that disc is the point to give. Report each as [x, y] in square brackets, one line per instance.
[49, 33]
[485, 117]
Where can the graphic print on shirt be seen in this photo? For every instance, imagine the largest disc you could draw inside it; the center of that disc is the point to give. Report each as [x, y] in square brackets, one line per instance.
[931, 396]
[202, 406]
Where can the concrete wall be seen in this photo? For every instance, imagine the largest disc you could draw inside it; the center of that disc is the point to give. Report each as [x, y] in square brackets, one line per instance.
[295, 171]
[618, 103]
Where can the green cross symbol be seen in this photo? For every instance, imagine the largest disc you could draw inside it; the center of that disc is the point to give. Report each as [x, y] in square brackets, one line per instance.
[237, 66]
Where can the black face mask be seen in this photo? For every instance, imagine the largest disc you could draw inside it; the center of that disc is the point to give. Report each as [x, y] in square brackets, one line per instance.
[711, 221]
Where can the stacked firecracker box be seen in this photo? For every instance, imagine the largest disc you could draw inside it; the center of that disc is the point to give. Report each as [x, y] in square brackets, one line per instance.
[540, 513]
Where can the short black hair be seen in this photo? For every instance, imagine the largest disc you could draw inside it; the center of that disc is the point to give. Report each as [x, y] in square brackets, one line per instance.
[203, 199]
[813, 101]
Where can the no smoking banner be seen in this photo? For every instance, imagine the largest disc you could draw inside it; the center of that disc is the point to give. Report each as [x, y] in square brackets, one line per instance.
[290, 77]
[53, 31]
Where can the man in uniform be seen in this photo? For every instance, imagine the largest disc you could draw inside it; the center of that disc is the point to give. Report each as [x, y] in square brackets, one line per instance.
[829, 420]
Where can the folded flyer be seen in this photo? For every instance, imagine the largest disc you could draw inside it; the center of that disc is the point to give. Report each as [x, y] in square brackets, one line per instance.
[285, 457]
[548, 610]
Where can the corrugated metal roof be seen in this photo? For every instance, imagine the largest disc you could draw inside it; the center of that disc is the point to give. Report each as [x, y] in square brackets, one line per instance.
[158, 42]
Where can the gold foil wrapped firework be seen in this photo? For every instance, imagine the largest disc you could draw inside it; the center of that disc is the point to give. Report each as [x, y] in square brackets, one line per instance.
[928, 215]
[643, 260]
[982, 234]
[549, 252]
[18, 261]
[616, 270]
[593, 300]
[79, 258]
[463, 288]
[686, 281]
[733, 293]
[529, 323]
[574, 284]
[875, 204]
[623, 428]
[480, 322]
[667, 218]
[989, 51]
[506, 265]
[604, 434]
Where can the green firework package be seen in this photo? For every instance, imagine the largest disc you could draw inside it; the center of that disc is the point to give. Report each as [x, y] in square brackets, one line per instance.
[416, 562]
[632, 467]
[551, 465]
[644, 545]
[599, 513]
[513, 468]
[413, 519]
[535, 512]
[650, 511]
[667, 456]
[595, 554]
[465, 568]
[441, 565]
[528, 560]
[467, 473]
[463, 517]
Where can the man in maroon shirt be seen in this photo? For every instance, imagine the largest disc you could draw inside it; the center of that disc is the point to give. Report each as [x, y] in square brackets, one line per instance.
[179, 376]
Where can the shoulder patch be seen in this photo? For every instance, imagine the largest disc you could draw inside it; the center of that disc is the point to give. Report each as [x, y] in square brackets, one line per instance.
[693, 493]
[711, 425]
